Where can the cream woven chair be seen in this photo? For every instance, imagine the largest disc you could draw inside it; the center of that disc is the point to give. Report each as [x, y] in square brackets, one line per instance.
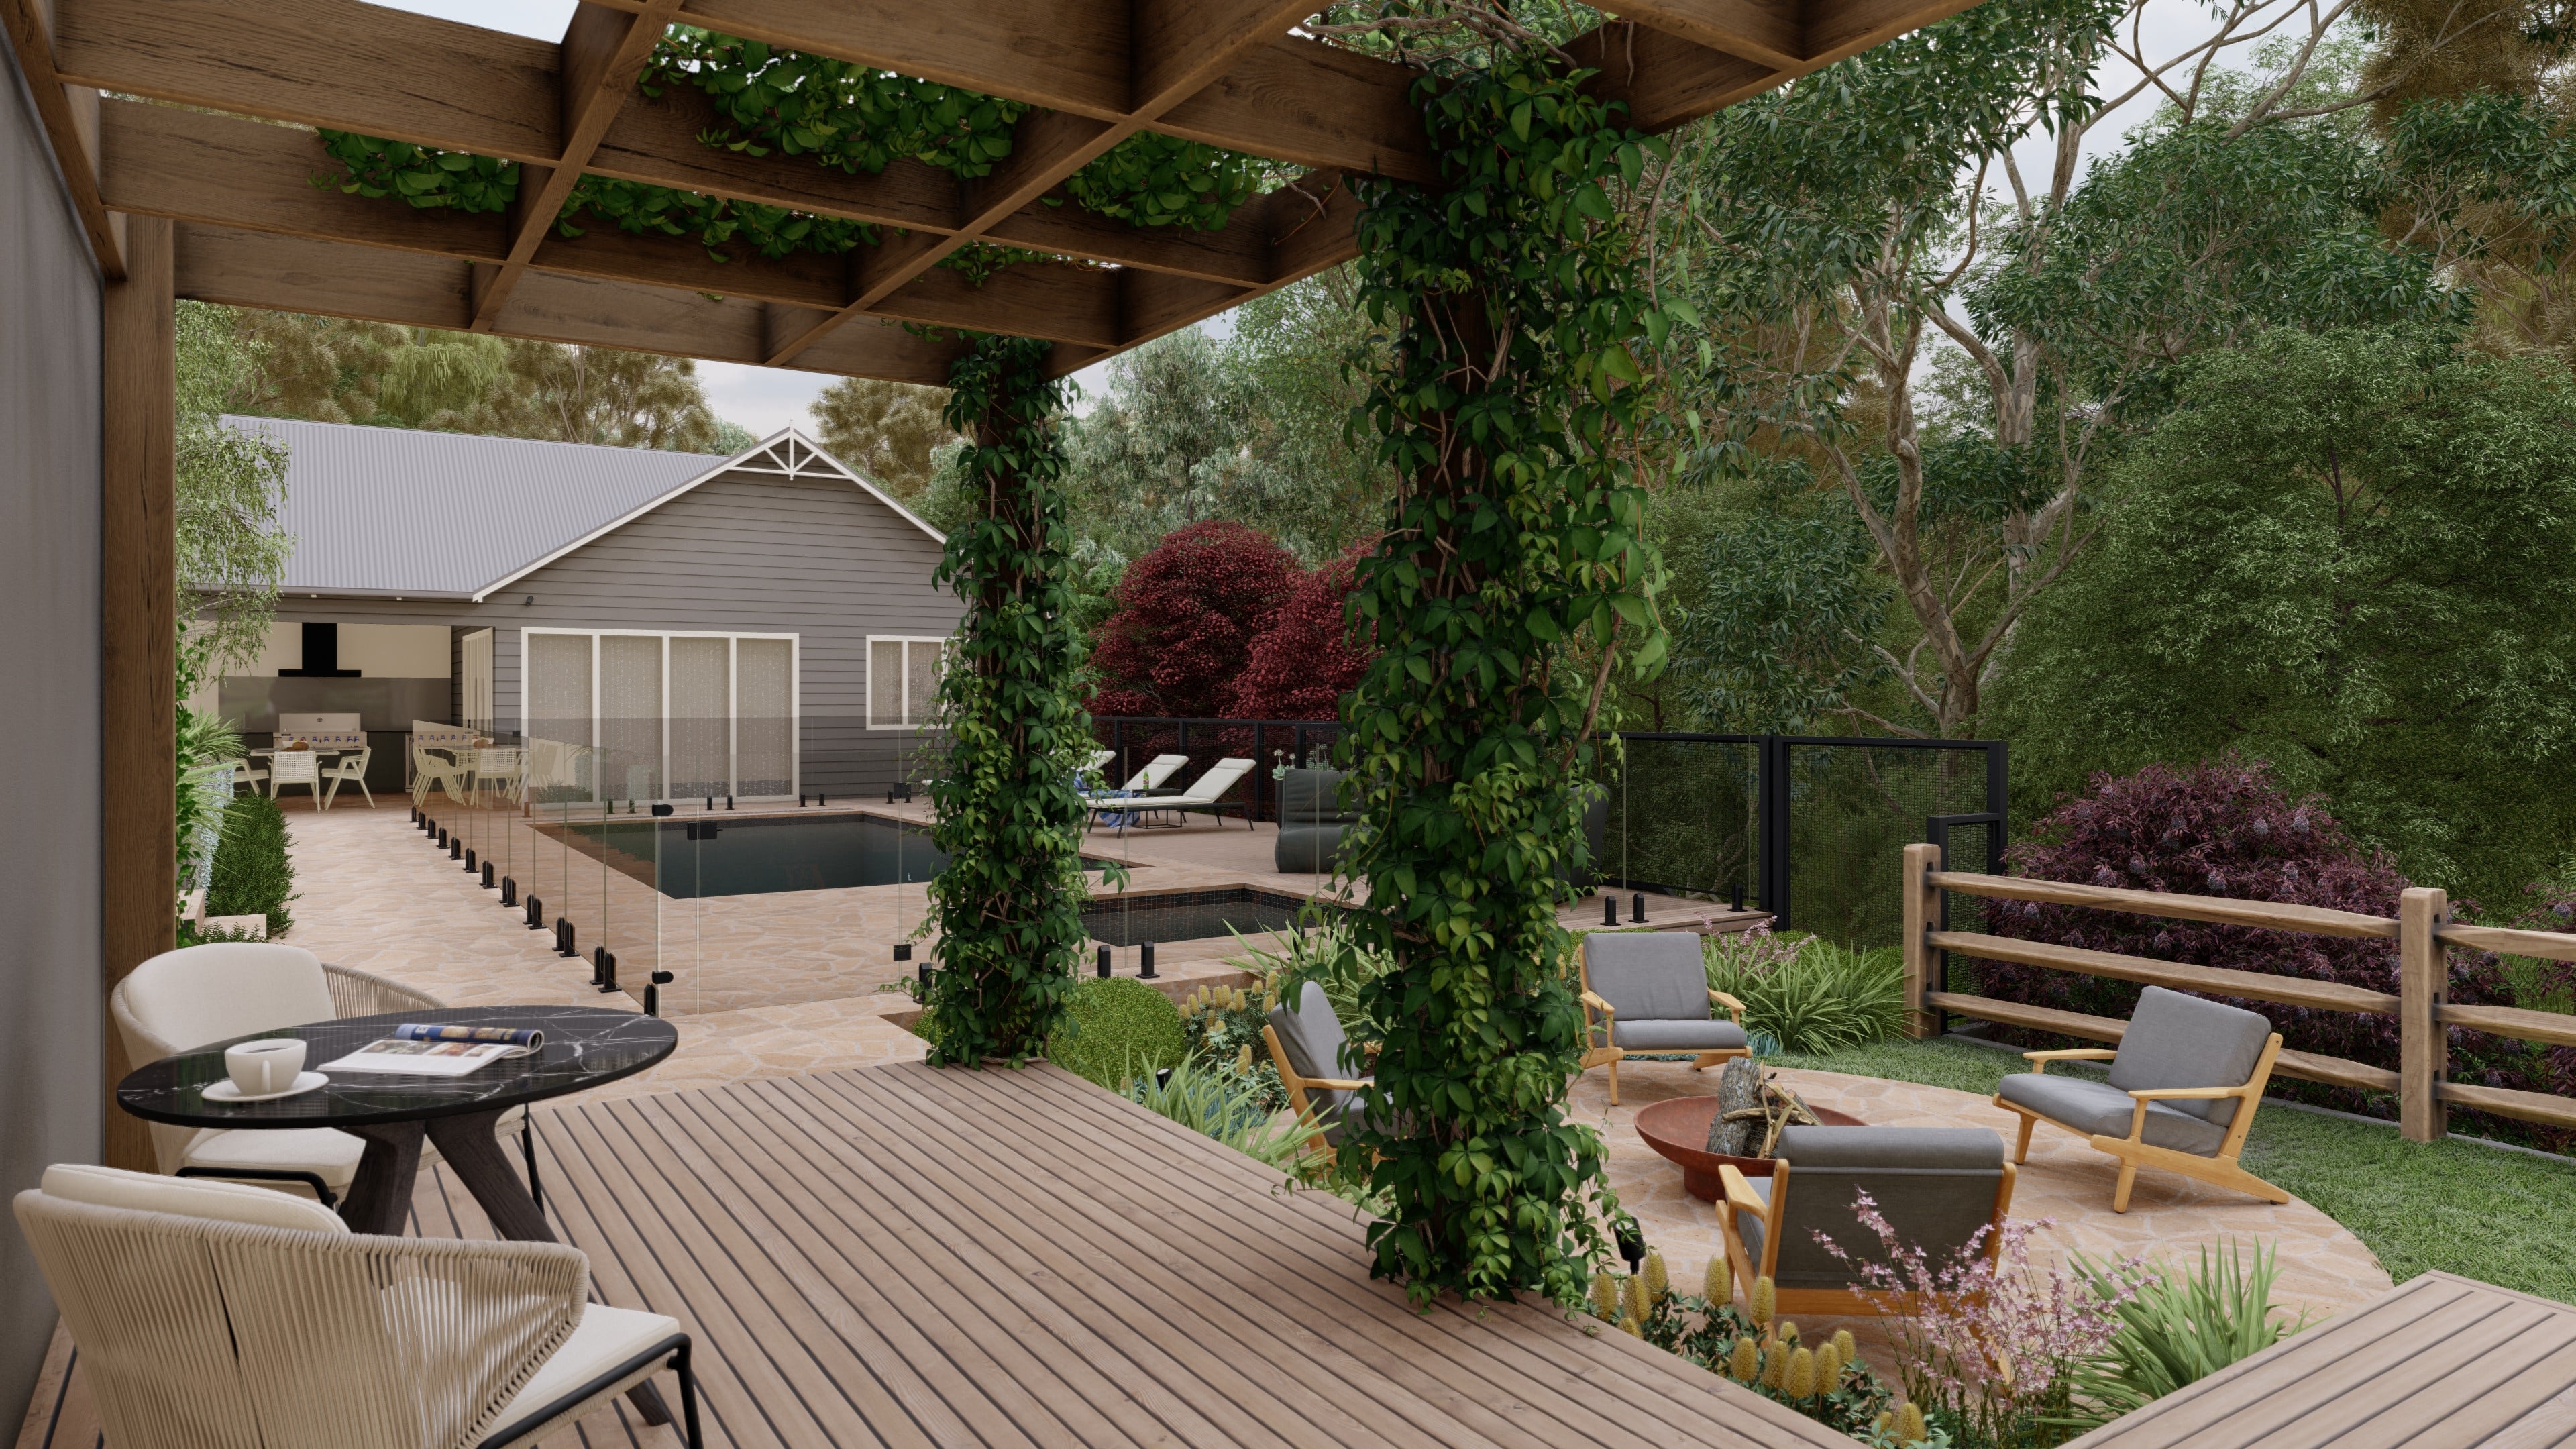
[183, 999]
[214, 1316]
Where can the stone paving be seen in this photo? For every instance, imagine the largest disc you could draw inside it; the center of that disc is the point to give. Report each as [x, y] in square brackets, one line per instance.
[2323, 1268]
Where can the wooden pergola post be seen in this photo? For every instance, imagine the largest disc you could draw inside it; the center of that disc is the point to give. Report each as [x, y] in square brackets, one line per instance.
[138, 637]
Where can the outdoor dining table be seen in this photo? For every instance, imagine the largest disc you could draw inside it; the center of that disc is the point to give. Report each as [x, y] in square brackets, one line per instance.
[584, 1047]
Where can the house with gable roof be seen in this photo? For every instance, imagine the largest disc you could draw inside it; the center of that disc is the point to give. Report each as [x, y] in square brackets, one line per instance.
[758, 625]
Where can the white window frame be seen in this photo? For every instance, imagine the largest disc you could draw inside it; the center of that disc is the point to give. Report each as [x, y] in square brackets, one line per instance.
[733, 701]
[912, 720]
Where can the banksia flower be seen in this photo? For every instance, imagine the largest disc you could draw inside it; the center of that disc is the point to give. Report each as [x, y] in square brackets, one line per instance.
[1844, 1346]
[1717, 1285]
[1630, 1327]
[1799, 1379]
[1746, 1364]
[1658, 1281]
[1765, 1299]
[1910, 1428]
[1829, 1368]
[1785, 1331]
[1243, 1058]
[1605, 1295]
[1634, 1298]
[1775, 1364]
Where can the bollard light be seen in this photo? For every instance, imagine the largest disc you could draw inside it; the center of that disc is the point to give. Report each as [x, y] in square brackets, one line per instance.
[1104, 963]
[925, 981]
[1639, 918]
[1735, 896]
[1146, 971]
[1609, 909]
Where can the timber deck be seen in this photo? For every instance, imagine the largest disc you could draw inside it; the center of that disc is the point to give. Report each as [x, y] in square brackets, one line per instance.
[2441, 1362]
[907, 1256]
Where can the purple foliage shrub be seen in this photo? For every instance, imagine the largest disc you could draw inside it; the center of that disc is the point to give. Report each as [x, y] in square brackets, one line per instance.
[2226, 828]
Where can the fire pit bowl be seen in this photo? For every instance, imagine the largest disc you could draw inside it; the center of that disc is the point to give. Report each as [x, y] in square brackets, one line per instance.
[1678, 1127]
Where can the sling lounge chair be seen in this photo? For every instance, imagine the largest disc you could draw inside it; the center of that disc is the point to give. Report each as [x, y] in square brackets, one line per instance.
[2185, 1080]
[1936, 1186]
[1202, 795]
[1647, 991]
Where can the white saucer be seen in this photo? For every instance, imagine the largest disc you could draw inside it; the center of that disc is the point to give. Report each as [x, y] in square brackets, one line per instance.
[225, 1091]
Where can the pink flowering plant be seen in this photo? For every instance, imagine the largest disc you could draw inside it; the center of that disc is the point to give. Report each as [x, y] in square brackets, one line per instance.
[1987, 1342]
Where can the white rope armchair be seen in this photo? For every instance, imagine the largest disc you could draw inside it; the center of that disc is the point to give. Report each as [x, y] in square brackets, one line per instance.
[212, 1316]
[180, 1000]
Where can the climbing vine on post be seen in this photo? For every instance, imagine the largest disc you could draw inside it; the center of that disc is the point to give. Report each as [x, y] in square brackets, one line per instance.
[1512, 293]
[1008, 905]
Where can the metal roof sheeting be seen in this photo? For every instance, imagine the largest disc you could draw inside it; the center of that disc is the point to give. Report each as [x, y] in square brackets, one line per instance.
[397, 511]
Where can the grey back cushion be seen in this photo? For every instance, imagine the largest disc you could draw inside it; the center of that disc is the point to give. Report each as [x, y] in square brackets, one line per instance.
[2176, 1040]
[1935, 1186]
[1311, 797]
[1648, 975]
[1312, 1037]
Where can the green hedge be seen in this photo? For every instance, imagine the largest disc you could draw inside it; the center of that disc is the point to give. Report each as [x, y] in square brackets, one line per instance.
[1117, 1029]
[252, 873]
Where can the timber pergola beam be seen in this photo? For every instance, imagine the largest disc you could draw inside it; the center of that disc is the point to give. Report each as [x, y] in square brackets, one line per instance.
[242, 186]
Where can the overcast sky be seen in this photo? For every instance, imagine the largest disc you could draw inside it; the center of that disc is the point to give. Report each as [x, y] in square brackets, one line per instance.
[765, 399]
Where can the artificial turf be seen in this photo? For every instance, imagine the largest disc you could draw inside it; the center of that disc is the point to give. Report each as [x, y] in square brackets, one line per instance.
[2507, 1218]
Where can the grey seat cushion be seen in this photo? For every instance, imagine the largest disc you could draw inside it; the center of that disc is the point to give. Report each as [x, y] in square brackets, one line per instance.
[2104, 1110]
[1315, 1045]
[1306, 849]
[1936, 1187]
[2176, 1040]
[1647, 975]
[1676, 1036]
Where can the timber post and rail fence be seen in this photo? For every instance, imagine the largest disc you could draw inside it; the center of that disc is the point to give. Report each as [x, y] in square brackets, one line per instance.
[2423, 930]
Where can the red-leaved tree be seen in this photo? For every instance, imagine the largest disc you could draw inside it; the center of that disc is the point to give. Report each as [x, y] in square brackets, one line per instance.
[2226, 828]
[1187, 613]
[1304, 663]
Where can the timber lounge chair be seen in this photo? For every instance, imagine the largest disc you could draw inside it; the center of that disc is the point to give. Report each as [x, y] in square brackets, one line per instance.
[1315, 1063]
[209, 1315]
[1936, 1186]
[1204, 793]
[1647, 991]
[2185, 1081]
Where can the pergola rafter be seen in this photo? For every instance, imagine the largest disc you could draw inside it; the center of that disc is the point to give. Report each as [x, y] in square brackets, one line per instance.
[1228, 73]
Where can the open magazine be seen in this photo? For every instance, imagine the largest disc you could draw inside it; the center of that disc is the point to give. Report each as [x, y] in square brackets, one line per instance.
[438, 1051]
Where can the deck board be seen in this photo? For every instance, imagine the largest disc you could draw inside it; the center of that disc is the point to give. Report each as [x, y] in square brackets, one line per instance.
[906, 1256]
[2441, 1362]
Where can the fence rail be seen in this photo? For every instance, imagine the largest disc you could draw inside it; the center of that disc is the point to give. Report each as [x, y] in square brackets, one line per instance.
[2422, 929]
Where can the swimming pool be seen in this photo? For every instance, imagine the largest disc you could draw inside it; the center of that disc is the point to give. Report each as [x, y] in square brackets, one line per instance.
[1191, 915]
[716, 856]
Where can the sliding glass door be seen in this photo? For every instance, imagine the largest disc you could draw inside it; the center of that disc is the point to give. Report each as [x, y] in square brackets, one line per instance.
[661, 716]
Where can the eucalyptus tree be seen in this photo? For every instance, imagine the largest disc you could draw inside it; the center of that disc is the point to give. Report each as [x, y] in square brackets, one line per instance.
[889, 431]
[1840, 232]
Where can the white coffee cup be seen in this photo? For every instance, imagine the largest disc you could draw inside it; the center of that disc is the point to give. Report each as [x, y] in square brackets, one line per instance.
[268, 1065]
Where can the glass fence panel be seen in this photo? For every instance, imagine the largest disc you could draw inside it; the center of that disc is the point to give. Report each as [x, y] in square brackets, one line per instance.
[1684, 817]
[1852, 808]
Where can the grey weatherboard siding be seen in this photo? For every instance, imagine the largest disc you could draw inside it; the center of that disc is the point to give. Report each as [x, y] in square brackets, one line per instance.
[52, 1034]
[743, 552]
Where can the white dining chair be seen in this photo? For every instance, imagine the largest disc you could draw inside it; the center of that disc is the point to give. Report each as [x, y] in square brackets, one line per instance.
[350, 769]
[296, 767]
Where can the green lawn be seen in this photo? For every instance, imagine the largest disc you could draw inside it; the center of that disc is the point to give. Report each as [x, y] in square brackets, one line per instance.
[2501, 1217]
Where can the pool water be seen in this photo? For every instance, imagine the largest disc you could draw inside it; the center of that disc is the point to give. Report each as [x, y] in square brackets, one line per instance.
[1190, 915]
[761, 856]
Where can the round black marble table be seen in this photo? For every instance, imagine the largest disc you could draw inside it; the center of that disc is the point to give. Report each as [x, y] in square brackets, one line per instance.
[585, 1047]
